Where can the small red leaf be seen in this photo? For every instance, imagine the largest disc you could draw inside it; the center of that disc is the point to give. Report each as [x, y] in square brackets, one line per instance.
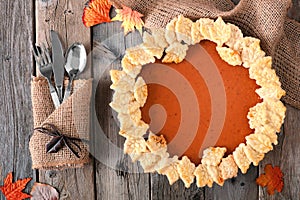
[272, 179]
[13, 191]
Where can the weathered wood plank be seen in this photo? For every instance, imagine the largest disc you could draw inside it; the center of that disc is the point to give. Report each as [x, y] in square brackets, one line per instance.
[241, 187]
[64, 17]
[16, 125]
[161, 189]
[286, 155]
[116, 176]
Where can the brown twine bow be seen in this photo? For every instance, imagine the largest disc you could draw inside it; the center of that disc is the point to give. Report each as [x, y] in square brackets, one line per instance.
[59, 140]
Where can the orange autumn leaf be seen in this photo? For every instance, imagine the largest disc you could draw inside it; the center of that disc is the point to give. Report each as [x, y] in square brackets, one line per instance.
[13, 191]
[131, 19]
[272, 179]
[96, 12]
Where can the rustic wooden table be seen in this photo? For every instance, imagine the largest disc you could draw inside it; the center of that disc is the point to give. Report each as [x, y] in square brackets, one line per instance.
[110, 177]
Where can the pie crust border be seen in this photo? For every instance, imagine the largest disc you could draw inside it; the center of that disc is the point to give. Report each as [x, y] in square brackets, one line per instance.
[130, 94]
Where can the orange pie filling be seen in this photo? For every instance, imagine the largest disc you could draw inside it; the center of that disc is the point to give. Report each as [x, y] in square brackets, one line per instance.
[240, 96]
[197, 101]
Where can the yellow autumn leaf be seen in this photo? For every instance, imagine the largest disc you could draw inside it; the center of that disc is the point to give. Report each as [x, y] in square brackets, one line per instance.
[131, 19]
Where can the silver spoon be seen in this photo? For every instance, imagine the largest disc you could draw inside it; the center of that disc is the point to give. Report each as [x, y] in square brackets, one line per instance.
[75, 64]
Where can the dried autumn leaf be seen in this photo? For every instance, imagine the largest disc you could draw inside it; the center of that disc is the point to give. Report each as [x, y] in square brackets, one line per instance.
[272, 179]
[13, 191]
[43, 192]
[131, 19]
[96, 12]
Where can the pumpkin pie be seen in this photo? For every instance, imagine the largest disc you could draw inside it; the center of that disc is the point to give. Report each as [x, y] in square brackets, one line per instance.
[197, 101]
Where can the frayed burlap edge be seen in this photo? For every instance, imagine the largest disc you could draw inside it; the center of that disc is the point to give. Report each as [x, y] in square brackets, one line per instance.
[72, 118]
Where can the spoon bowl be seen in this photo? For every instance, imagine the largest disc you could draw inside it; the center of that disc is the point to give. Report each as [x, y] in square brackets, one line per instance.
[75, 63]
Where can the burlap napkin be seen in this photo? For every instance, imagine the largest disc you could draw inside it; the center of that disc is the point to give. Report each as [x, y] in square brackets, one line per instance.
[264, 19]
[72, 119]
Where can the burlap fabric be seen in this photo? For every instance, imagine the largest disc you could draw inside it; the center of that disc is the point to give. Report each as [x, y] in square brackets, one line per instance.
[72, 118]
[263, 19]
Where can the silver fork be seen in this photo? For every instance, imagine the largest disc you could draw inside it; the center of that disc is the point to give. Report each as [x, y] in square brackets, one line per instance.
[43, 60]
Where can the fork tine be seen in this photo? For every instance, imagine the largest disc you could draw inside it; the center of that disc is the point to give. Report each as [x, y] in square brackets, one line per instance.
[39, 55]
[34, 54]
[43, 49]
[46, 51]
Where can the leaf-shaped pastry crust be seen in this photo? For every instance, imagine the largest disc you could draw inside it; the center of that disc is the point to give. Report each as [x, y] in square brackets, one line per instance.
[156, 143]
[252, 53]
[122, 82]
[170, 33]
[259, 142]
[149, 160]
[221, 33]
[268, 131]
[131, 69]
[153, 50]
[135, 131]
[138, 56]
[151, 47]
[249, 49]
[202, 176]
[230, 56]
[135, 145]
[254, 156]
[131, 107]
[140, 91]
[261, 70]
[265, 77]
[124, 103]
[206, 27]
[123, 98]
[171, 173]
[164, 164]
[213, 155]
[186, 171]
[195, 33]
[235, 35]
[218, 31]
[214, 173]
[241, 159]
[271, 91]
[116, 75]
[159, 37]
[183, 29]
[127, 121]
[269, 112]
[228, 168]
[176, 52]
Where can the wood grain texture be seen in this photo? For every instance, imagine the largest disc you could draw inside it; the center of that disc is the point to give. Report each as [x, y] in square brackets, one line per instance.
[116, 176]
[286, 155]
[64, 16]
[16, 125]
[112, 176]
[161, 189]
[241, 187]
